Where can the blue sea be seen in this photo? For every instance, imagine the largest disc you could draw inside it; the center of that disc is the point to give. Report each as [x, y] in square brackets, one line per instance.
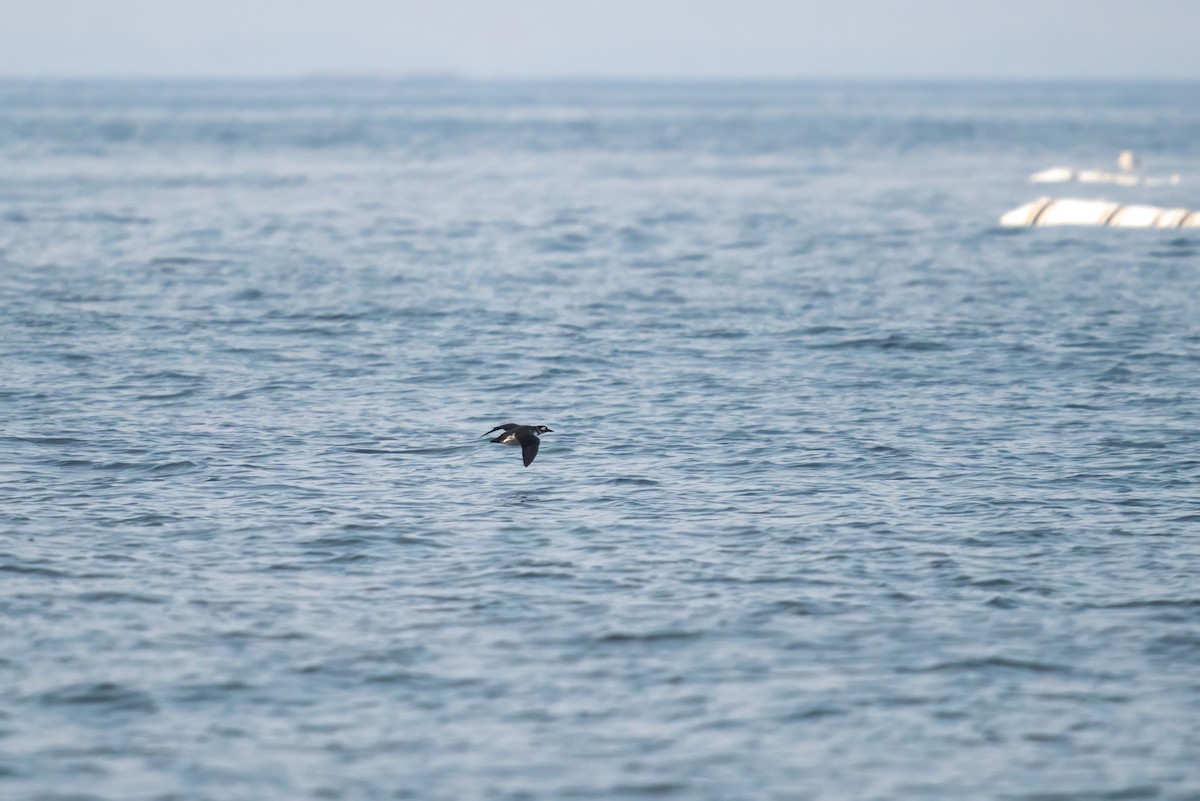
[851, 493]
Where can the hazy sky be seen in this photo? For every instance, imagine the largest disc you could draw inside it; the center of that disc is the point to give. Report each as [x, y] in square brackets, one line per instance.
[620, 38]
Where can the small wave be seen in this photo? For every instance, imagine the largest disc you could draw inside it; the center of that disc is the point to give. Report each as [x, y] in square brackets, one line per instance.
[1150, 603]
[721, 333]
[1123, 794]
[44, 440]
[816, 330]
[812, 713]
[244, 634]
[171, 468]
[323, 317]
[349, 541]
[565, 243]
[1182, 645]
[342, 558]
[169, 375]
[1133, 445]
[111, 466]
[199, 693]
[632, 481]
[525, 575]
[991, 583]
[807, 465]
[252, 391]
[889, 343]
[184, 261]
[649, 637]
[441, 449]
[1001, 662]
[166, 396]
[32, 570]
[396, 677]
[150, 520]
[181, 466]
[796, 608]
[648, 789]
[109, 695]
[107, 217]
[112, 596]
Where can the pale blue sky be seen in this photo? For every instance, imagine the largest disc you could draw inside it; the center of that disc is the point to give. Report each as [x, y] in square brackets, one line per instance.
[1052, 39]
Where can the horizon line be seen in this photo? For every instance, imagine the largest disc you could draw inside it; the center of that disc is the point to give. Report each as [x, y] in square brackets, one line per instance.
[451, 76]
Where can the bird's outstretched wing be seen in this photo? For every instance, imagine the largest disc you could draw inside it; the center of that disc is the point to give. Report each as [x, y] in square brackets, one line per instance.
[529, 446]
[504, 427]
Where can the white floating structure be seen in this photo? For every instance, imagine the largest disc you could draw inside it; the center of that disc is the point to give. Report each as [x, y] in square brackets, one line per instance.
[1063, 175]
[1067, 211]
[1127, 162]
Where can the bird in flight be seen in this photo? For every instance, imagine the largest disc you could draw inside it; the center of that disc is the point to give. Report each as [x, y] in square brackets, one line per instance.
[525, 436]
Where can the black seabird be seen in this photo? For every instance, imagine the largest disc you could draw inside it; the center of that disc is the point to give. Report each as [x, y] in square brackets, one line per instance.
[525, 436]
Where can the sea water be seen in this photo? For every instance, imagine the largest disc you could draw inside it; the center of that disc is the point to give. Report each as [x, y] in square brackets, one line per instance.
[851, 493]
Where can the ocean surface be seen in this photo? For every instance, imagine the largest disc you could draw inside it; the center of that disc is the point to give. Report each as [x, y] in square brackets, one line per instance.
[851, 493]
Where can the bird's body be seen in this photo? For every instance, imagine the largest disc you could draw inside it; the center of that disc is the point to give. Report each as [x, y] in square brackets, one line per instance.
[524, 436]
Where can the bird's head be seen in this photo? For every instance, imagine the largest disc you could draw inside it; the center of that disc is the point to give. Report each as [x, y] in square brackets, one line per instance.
[543, 430]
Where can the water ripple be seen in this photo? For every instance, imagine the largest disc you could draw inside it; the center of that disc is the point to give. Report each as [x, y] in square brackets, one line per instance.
[850, 493]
